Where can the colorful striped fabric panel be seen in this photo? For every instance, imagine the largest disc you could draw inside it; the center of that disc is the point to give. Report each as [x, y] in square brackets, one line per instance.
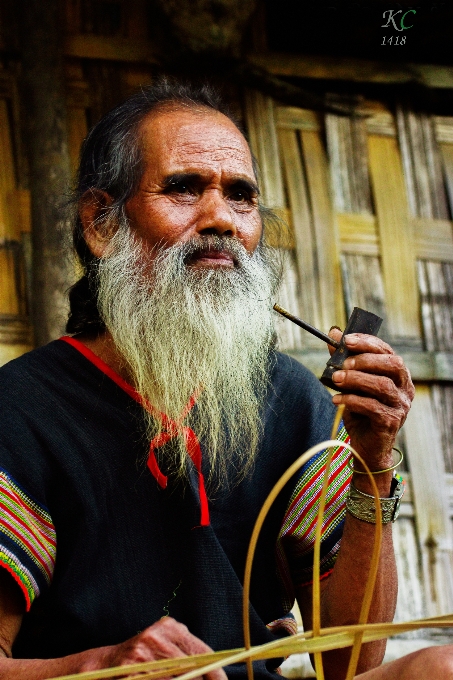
[297, 535]
[27, 539]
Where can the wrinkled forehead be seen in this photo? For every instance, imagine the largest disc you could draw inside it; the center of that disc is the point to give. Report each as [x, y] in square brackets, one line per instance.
[175, 135]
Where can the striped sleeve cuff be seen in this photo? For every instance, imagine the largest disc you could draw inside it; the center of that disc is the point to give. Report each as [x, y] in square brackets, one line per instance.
[297, 535]
[27, 539]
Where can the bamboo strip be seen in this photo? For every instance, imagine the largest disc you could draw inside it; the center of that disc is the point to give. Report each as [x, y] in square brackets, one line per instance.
[396, 237]
[315, 641]
[324, 231]
[368, 594]
[296, 183]
[330, 638]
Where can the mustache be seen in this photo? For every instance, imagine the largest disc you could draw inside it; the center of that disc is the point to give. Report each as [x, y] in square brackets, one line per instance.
[212, 243]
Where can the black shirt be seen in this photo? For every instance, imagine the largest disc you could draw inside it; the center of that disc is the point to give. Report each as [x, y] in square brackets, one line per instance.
[128, 552]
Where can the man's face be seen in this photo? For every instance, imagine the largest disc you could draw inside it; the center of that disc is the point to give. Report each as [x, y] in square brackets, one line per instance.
[198, 180]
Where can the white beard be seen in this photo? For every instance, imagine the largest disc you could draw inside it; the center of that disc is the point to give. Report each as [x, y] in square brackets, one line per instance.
[180, 329]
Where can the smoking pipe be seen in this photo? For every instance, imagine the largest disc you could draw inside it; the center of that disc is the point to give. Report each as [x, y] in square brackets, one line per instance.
[360, 321]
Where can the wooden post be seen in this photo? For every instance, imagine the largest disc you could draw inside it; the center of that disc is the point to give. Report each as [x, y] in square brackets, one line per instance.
[45, 123]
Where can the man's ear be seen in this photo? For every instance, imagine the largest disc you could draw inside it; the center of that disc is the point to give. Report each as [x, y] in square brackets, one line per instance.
[97, 231]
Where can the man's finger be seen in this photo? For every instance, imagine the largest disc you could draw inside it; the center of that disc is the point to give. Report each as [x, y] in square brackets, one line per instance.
[336, 334]
[384, 417]
[193, 645]
[360, 342]
[379, 386]
[178, 634]
[189, 644]
[390, 365]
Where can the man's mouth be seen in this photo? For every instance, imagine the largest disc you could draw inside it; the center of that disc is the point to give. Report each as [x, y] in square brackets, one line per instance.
[209, 257]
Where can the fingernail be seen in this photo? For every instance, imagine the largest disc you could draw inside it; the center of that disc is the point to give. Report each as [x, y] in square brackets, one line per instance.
[338, 376]
[349, 363]
[337, 399]
[351, 339]
[336, 327]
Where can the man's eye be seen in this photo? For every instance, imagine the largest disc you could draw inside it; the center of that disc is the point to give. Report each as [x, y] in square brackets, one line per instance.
[240, 197]
[180, 188]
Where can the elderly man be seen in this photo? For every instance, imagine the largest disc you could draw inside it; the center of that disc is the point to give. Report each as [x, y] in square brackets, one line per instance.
[135, 455]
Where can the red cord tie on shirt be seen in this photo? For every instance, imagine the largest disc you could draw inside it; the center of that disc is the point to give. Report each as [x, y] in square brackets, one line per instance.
[171, 428]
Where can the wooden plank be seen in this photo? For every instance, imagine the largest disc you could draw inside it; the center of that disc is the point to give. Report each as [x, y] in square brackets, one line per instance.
[443, 408]
[425, 307]
[363, 287]
[8, 351]
[436, 292]
[449, 481]
[90, 46]
[293, 118]
[440, 303]
[447, 158]
[444, 129]
[433, 161]
[291, 337]
[9, 303]
[264, 144]
[348, 159]
[423, 366]
[110, 48]
[396, 237]
[362, 185]
[337, 165]
[8, 217]
[356, 70]
[433, 239]
[381, 123]
[296, 185]
[358, 233]
[410, 603]
[406, 159]
[419, 167]
[325, 233]
[23, 200]
[77, 131]
[431, 502]
[443, 366]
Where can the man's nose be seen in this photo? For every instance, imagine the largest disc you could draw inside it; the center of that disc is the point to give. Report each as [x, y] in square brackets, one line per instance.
[215, 215]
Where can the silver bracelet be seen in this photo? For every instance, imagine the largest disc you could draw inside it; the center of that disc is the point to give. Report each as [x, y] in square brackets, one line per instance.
[362, 505]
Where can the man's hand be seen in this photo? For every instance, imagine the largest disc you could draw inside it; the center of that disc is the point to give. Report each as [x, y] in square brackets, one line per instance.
[379, 392]
[165, 639]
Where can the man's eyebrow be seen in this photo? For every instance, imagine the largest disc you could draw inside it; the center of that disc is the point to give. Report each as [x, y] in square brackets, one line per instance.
[195, 178]
[177, 177]
[245, 185]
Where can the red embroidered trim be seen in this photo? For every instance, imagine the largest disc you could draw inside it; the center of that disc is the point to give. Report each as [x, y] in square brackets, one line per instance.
[171, 427]
[20, 584]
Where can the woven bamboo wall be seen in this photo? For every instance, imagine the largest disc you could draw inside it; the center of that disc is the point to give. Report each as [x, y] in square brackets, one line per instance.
[364, 229]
